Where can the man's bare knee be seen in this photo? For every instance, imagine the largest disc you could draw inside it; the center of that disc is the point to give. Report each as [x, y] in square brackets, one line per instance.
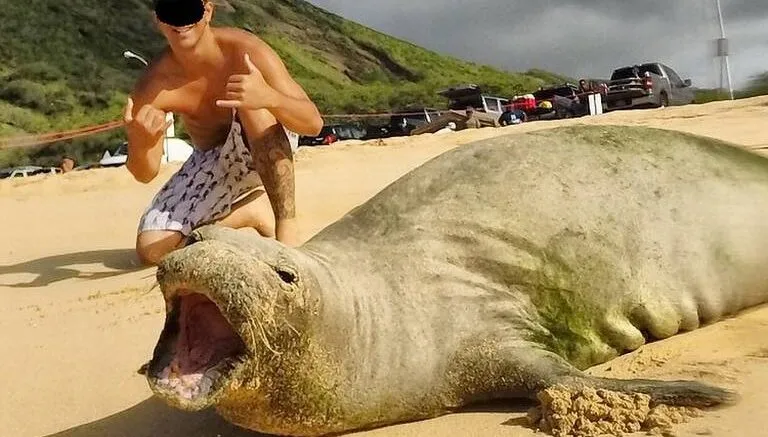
[263, 129]
[153, 246]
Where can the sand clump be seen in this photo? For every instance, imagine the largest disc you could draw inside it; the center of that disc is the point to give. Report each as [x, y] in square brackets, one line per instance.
[589, 412]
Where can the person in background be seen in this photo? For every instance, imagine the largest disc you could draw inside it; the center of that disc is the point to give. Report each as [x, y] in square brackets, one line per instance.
[67, 164]
[473, 122]
[585, 89]
[512, 116]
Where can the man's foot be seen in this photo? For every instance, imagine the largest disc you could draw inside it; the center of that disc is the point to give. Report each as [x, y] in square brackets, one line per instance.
[253, 211]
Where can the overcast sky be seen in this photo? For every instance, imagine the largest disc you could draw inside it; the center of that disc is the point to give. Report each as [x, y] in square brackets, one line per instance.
[577, 37]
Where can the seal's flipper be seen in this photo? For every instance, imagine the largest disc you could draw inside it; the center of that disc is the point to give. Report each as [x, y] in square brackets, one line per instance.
[509, 372]
[676, 393]
[526, 371]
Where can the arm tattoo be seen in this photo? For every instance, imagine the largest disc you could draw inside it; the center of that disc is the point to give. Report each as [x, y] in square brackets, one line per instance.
[273, 160]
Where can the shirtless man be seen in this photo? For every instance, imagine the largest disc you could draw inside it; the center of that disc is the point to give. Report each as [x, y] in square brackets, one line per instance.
[243, 112]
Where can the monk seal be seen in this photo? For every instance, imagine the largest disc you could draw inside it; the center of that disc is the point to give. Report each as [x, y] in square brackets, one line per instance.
[494, 270]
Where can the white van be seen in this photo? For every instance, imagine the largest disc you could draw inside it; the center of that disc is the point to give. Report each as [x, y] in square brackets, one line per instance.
[174, 150]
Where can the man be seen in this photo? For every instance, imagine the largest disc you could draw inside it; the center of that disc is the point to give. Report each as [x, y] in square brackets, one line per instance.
[584, 90]
[473, 122]
[512, 116]
[584, 87]
[67, 164]
[239, 105]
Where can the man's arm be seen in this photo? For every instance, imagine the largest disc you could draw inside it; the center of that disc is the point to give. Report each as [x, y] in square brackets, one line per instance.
[267, 84]
[145, 126]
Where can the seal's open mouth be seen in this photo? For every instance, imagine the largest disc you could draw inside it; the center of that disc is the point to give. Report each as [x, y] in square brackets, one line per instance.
[197, 351]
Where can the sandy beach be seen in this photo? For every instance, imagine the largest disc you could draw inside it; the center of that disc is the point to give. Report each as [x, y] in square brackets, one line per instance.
[79, 315]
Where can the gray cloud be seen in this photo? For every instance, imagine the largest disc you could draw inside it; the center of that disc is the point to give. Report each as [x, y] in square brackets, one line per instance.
[577, 37]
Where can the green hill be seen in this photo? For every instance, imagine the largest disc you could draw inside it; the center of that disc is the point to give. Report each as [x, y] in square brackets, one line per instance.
[62, 67]
[757, 86]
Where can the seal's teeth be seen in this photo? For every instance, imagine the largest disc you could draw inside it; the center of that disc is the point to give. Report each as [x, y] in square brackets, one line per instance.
[213, 374]
[192, 380]
[205, 385]
[185, 393]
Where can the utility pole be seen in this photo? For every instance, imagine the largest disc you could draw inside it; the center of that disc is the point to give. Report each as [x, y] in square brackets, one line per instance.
[129, 54]
[722, 53]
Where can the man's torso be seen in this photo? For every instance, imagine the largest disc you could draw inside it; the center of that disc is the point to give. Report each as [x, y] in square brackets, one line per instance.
[194, 99]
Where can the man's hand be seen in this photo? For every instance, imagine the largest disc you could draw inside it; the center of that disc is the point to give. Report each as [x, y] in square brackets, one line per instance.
[147, 127]
[248, 91]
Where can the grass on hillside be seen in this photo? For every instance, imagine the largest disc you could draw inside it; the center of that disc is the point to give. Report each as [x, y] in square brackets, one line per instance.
[62, 66]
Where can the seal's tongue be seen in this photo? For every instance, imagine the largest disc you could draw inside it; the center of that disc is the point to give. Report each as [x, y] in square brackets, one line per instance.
[205, 336]
[201, 349]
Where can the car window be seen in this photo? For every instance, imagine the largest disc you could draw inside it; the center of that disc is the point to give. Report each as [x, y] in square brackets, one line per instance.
[639, 71]
[358, 132]
[652, 68]
[462, 103]
[623, 73]
[673, 77]
[492, 104]
[416, 119]
[552, 92]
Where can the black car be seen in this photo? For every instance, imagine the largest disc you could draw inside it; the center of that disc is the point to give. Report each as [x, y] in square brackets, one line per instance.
[563, 101]
[331, 133]
[405, 121]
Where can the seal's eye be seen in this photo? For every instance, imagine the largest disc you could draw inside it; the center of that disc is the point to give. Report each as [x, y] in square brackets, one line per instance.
[193, 238]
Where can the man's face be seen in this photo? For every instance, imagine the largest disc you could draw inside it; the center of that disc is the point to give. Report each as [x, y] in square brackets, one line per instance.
[67, 165]
[182, 37]
[185, 36]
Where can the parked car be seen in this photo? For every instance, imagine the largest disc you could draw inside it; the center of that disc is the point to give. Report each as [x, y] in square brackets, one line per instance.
[647, 85]
[463, 96]
[409, 119]
[563, 102]
[330, 133]
[174, 150]
[27, 170]
[116, 158]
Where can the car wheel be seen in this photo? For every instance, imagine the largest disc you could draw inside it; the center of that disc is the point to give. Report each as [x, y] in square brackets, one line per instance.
[663, 100]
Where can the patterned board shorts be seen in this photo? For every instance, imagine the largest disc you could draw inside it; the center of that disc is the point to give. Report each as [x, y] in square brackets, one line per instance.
[206, 186]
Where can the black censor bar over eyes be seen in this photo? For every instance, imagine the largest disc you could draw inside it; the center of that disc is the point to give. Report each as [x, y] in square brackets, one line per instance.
[179, 13]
